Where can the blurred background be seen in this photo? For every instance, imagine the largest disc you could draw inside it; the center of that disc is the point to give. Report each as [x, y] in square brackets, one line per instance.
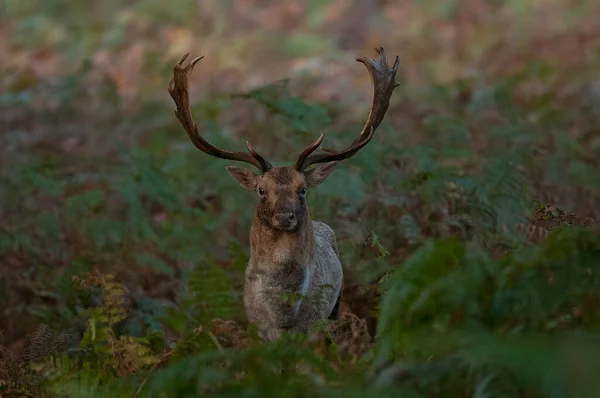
[474, 208]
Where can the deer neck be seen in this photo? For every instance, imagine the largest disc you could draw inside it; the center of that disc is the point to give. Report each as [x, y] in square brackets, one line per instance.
[271, 248]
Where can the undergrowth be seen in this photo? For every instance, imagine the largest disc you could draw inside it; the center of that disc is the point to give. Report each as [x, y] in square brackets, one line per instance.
[467, 228]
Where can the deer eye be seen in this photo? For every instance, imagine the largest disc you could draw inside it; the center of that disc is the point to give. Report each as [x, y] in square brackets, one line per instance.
[303, 190]
[261, 191]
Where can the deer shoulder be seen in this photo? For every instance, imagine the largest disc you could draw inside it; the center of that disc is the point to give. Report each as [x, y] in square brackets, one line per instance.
[294, 275]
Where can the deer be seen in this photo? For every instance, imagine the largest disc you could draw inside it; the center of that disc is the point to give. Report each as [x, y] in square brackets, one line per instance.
[294, 273]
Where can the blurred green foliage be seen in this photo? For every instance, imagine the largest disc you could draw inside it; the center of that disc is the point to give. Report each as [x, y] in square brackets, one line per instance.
[466, 227]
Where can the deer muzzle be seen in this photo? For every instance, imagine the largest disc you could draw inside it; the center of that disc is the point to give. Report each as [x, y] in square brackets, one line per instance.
[285, 220]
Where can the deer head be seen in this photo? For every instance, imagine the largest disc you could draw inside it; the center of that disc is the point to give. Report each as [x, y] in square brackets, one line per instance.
[281, 190]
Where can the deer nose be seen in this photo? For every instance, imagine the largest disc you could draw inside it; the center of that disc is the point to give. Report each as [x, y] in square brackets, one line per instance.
[285, 217]
[285, 220]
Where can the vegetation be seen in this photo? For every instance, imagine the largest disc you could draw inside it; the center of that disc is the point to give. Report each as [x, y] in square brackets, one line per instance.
[467, 227]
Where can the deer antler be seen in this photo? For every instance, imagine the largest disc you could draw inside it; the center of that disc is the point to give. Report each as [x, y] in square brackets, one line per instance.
[178, 88]
[384, 83]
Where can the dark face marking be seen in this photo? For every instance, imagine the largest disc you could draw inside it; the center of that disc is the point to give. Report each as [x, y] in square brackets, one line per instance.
[281, 193]
[282, 200]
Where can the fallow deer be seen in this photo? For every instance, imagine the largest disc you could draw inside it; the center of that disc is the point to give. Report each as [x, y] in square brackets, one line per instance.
[290, 254]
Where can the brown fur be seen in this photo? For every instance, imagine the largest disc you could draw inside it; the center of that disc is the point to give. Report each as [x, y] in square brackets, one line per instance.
[300, 260]
[289, 252]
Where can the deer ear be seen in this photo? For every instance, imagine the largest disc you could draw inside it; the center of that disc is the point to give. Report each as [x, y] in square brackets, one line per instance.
[318, 174]
[245, 177]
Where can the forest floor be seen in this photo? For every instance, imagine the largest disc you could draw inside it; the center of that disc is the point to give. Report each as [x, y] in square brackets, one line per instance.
[109, 215]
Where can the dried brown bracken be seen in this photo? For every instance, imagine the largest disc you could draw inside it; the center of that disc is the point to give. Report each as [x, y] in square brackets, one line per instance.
[15, 367]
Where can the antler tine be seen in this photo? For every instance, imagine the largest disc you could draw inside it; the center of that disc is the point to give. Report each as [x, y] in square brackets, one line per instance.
[264, 164]
[179, 91]
[310, 149]
[384, 82]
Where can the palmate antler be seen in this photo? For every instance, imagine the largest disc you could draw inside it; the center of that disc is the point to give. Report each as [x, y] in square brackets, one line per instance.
[384, 83]
[179, 90]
